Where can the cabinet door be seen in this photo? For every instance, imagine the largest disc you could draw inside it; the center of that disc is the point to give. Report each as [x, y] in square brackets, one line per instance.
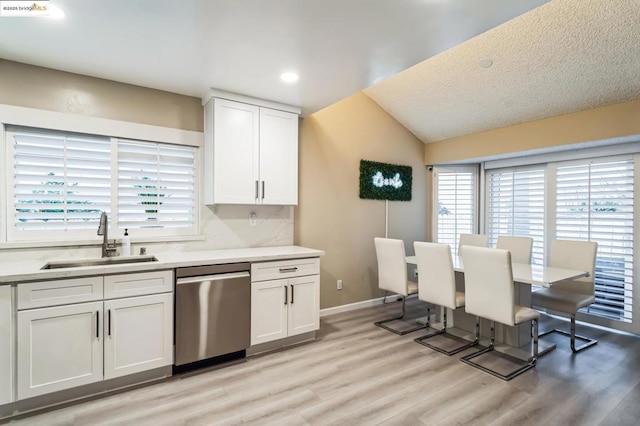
[268, 311]
[138, 334]
[6, 345]
[235, 152]
[304, 304]
[278, 157]
[59, 348]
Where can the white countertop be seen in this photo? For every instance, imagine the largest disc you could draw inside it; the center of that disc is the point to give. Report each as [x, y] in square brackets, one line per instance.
[16, 272]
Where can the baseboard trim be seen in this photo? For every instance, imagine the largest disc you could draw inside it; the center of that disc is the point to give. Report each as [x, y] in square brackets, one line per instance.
[358, 305]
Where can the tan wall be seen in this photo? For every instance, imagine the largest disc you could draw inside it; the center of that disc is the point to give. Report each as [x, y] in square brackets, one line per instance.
[331, 216]
[600, 123]
[44, 88]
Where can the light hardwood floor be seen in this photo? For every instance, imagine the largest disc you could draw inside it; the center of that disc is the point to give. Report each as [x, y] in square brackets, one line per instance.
[359, 374]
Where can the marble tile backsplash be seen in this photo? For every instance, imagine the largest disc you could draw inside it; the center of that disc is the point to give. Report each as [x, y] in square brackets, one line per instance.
[223, 226]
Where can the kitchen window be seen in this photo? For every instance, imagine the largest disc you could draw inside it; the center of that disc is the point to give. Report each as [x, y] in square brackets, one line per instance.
[59, 183]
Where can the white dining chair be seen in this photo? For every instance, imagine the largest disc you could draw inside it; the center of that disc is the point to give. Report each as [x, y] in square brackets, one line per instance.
[570, 295]
[392, 277]
[437, 285]
[520, 247]
[489, 293]
[476, 240]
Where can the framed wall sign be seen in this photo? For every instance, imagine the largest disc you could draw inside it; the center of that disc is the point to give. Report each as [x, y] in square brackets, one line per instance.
[383, 181]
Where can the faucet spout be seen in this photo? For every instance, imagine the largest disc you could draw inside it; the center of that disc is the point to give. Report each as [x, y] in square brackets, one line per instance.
[103, 229]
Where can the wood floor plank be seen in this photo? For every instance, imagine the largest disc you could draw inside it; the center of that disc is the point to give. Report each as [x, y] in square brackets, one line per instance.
[358, 374]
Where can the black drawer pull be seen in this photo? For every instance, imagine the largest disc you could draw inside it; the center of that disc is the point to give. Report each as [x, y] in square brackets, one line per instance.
[283, 270]
[286, 294]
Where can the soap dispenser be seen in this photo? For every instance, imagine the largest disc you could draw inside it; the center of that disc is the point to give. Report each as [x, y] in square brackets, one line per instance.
[126, 243]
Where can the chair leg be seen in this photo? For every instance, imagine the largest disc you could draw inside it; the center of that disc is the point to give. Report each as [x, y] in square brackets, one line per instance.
[529, 365]
[381, 324]
[573, 336]
[535, 339]
[421, 340]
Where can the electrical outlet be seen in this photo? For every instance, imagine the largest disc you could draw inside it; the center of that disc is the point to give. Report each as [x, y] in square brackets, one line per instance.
[253, 219]
[415, 273]
[339, 284]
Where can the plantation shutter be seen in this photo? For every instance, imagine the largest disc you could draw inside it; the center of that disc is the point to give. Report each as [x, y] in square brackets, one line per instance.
[594, 202]
[156, 186]
[60, 181]
[515, 207]
[455, 193]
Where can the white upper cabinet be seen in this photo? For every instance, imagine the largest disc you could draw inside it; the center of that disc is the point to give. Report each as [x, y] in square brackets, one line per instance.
[251, 154]
[278, 157]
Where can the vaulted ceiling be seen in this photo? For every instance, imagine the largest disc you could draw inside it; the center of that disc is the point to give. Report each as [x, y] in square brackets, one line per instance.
[421, 60]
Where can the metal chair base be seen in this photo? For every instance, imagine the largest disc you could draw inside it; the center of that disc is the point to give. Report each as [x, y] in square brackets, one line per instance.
[528, 366]
[468, 360]
[421, 340]
[381, 324]
[573, 336]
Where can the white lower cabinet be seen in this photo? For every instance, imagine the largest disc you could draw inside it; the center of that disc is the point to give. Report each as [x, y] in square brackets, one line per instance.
[284, 307]
[6, 345]
[138, 334]
[304, 305]
[268, 311]
[59, 348]
[75, 344]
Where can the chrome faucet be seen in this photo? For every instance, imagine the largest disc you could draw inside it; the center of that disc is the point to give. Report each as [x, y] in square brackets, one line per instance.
[103, 229]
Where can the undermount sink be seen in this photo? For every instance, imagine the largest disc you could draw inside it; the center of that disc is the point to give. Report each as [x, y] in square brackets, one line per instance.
[71, 263]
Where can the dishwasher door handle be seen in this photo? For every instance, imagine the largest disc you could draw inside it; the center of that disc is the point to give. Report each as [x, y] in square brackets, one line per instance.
[215, 277]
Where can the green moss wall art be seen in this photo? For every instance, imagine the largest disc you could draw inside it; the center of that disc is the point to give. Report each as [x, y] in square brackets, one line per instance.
[383, 181]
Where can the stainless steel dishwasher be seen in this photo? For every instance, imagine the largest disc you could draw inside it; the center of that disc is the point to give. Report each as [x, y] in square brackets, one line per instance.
[213, 313]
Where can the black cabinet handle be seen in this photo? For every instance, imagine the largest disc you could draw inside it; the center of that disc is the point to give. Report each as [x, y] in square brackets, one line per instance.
[262, 190]
[286, 296]
[292, 294]
[283, 270]
[257, 190]
[97, 324]
[109, 322]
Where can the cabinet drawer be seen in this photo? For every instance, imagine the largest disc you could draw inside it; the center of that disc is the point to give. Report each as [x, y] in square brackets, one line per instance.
[60, 292]
[138, 284]
[284, 269]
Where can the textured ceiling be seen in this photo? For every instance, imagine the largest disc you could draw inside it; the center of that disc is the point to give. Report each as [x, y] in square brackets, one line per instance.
[563, 57]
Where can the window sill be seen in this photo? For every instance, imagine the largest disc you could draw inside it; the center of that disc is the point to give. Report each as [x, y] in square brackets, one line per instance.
[94, 242]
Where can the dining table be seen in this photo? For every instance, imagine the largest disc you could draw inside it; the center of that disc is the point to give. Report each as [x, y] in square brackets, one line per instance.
[515, 341]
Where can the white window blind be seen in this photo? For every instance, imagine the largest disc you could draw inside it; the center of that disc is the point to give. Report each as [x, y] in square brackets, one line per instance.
[594, 202]
[61, 182]
[156, 185]
[516, 207]
[455, 196]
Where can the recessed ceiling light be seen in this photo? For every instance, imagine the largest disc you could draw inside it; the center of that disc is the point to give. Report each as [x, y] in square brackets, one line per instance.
[289, 77]
[55, 12]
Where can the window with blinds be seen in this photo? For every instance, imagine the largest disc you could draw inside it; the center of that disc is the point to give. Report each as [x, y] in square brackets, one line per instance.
[60, 182]
[63, 182]
[594, 202]
[516, 207]
[455, 206]
[156, 187]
